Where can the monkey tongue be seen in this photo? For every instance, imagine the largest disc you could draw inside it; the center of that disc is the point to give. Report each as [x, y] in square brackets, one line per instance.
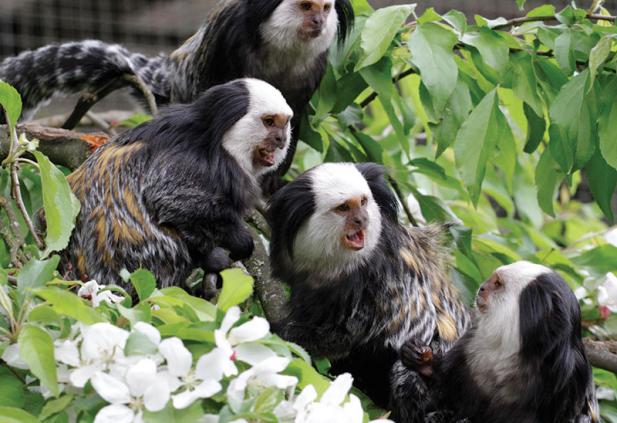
[354, 241]
[266, 158]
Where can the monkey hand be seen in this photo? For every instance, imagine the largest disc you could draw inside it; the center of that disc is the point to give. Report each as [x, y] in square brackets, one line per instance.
[417, 357]
[240, 245]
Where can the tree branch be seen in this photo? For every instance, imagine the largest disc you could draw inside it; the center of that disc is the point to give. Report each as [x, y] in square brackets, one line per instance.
[63, 147]
[11, 233]
[525, 19]
[602, 354]
[89, 99]
[139, 84]
[270, 291]
[371, 97]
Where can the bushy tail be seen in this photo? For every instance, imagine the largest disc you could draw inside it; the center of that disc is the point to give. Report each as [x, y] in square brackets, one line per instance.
[61, 69]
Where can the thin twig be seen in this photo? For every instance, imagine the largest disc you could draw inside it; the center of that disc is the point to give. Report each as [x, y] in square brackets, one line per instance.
[139, 84]
[11, 233]
[403, 200]
[28, 161]
[89, 99]
[16, 193]
[101, 124]
[525, 19]
[369, 99]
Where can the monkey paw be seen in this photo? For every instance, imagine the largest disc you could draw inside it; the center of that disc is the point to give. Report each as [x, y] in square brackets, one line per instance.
[417, 357]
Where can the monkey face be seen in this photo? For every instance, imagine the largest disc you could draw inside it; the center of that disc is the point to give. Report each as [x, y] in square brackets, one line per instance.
[268, 152]
[259, 140]
[314, 16]
[506, 284]
[345, 226]
[312, 22]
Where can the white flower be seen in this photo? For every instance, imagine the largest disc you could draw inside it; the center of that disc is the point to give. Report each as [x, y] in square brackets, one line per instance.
[331, 408]
[91, 290]
[102, 349]
[263, 374]
[203, 382]
[239, 343]
[607, 292]
[142, 388]
[12, 357]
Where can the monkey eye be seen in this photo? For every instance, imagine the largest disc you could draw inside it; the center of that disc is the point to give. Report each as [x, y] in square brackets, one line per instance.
[342, 208]
[306, 5]
[327, 7]
[364, 201]
[268, 121]
[498, 282]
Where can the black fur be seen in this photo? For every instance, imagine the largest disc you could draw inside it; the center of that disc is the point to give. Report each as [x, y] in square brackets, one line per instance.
[356, 318]
[163, 195]
[554, 382]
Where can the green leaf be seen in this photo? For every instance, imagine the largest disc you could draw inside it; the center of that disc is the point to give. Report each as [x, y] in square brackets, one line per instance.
[457, 20]
[70, 305]
[491, 46]
[10, 100]
[544, 10]
[607, 123]
[361, 7]
[379, 31]
[564, 51]
[458, 108]
[15, 415]
[139, 344]
[307, 375]
[144, 282]
[55, 406]
[237, 288]
[536, 127]
[602, 259]
[548, 177]
[61, 205]
[12, 390]
[35, 274]
[169, 414]
[524, 81]
[520, 4]
[572, 131]
[429, 15]
[598, 55]
[602, 181]
[476, 141]
[372, 148]
[36, 348]
[431, 52]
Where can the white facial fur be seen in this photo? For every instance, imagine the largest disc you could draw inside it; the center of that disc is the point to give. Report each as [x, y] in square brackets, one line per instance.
[280, 31]
[493, 351]
[242, 138]
[318, 247]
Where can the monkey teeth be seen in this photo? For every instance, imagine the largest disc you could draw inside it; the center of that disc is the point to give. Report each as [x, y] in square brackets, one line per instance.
[354, 240]
[266, 157]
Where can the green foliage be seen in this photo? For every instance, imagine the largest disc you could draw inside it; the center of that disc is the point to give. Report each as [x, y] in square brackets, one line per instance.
[237, 288]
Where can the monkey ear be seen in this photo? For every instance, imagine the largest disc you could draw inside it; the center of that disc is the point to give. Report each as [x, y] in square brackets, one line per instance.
[374, 175]
[549, 313]
[345, 13]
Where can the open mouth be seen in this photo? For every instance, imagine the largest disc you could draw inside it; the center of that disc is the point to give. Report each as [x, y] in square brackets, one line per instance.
[265, 157]
[354, 240]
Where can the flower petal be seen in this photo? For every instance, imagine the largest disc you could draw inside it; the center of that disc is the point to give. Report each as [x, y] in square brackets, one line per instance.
[253, 353]
[157, 395]
[101, 341]
[272, 365]
[254, 329]
[208, 418]
[110, 389]
[280, 381]
[231, 317]
[67, 352]
[12, 357]
[207, 388]
[88, 289]
[81, 375]
[306, 397]
[353, 409]
[184, 399]
[335, 394]
[150, 331]
[141, 376]
[179, 358]
[115, 413]
[215, 364]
